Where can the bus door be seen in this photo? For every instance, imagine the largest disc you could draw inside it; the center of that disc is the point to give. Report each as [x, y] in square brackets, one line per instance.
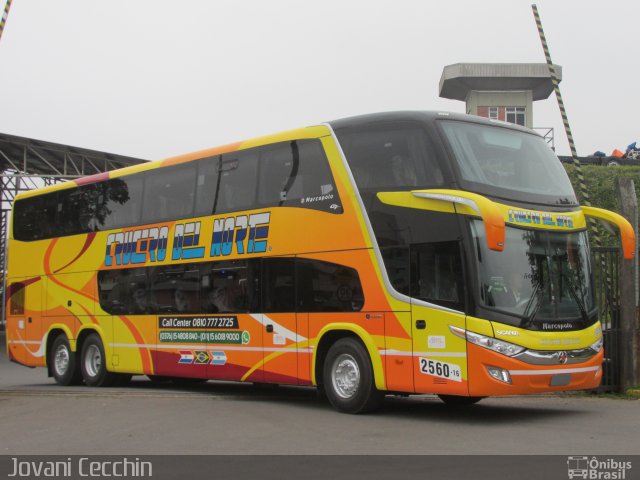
[439, 357]
[24, 299]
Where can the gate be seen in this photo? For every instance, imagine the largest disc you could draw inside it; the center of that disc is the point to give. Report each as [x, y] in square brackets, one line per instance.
[606, 268]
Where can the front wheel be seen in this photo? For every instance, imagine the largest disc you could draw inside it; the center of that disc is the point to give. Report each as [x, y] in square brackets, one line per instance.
[93, 364]
[348, 379]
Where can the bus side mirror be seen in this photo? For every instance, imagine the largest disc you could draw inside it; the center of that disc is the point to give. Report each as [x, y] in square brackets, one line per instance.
[471, 203]
[482, 206]
[627, 235]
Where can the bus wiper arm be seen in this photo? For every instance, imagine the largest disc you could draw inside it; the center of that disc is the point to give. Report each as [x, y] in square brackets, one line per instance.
[538, 304]
[574, 295]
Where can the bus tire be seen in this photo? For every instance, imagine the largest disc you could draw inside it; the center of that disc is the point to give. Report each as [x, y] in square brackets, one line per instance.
[93, 363]
[63, 361]
[459, 401]
[348, 379]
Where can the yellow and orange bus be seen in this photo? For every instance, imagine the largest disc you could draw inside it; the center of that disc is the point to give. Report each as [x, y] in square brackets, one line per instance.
[409, 252]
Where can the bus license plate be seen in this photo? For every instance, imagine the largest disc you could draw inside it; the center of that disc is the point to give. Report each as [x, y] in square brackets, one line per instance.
[450, 371]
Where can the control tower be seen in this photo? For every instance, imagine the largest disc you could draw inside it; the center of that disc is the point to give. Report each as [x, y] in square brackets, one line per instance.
[502, 91]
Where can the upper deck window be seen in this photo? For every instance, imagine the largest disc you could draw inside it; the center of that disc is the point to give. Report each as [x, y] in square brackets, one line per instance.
[390, 156]
[508, 163]
[295, 174]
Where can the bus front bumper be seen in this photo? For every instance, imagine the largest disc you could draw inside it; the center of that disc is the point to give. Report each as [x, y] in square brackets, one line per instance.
[491, 373]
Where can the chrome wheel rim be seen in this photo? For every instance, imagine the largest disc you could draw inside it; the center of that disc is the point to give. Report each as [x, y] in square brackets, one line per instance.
[345, 376]
[61, 360]
[92, 360]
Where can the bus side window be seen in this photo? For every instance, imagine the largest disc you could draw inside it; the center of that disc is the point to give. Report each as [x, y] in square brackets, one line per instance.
[278, 287]
[174, 289]
[327, 287]
[17, 298]
[124, 291]
[436, 274]
[77, 210]
[313, 180]
[396, 261]
[238, 181]
[278, 171]
[297, 174]
[206, 185]
[169, 193]
[35, 218]
[119, 202]
[228, 287]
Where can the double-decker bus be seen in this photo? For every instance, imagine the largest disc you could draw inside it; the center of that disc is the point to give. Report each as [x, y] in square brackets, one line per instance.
[409, 252]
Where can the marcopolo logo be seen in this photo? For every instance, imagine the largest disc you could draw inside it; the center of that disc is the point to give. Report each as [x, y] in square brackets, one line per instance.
[597, 468]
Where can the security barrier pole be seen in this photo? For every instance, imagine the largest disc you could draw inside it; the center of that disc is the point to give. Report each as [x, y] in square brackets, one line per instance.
[5, 14]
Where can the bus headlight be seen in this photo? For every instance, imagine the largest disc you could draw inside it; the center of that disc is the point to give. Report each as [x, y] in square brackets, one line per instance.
[500, 346]
[597, 345]
[499, 374]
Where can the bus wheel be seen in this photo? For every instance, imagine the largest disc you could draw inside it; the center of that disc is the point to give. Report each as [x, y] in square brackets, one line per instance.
[459, 401]
[93, 363]
[348, 378]
[63, 362]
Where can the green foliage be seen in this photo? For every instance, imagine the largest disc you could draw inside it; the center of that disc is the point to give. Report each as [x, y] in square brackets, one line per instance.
[601, 185]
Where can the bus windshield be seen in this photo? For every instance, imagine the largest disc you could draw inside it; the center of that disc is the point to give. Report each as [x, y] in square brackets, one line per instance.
[507, 163]
[542, 277]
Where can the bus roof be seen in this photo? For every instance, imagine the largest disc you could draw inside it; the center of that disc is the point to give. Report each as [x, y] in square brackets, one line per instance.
[300, 133]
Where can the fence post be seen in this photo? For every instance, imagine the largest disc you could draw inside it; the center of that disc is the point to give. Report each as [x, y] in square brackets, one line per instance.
[627, 339]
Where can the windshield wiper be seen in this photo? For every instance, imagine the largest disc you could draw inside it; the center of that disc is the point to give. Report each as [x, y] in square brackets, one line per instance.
[534, 296]
[574, 295]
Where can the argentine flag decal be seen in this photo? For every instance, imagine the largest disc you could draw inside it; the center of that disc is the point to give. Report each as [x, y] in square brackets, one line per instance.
[218, 358]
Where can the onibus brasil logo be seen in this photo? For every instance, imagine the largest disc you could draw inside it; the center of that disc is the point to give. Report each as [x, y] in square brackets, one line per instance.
[597, 468]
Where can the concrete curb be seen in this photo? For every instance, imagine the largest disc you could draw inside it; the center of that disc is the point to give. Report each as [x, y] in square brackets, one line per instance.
[634, 392]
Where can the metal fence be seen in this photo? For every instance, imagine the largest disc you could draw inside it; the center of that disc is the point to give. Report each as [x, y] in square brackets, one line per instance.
[606, 266]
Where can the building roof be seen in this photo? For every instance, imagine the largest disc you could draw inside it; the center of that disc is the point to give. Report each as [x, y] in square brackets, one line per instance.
[38, 157]
[459, 79]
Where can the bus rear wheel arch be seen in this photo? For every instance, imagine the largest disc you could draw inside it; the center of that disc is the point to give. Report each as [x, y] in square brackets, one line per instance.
[348, 378]
[62, 361]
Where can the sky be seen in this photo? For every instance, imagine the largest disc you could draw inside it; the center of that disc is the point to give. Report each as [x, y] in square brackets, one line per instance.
[157, 78]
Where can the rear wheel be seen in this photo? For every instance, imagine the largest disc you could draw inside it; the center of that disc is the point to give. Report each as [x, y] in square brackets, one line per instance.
[93, 364]
[348, 379]
[62, 360]
[459, 401]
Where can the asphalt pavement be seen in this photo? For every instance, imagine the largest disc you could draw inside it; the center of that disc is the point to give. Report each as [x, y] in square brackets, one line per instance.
[39, 417]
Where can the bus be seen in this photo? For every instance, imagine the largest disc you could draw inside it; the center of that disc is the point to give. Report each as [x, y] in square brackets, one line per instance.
[393, 253]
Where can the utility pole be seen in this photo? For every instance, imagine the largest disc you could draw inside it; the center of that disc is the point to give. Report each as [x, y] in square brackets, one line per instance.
[584, 193]
[5, 14]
